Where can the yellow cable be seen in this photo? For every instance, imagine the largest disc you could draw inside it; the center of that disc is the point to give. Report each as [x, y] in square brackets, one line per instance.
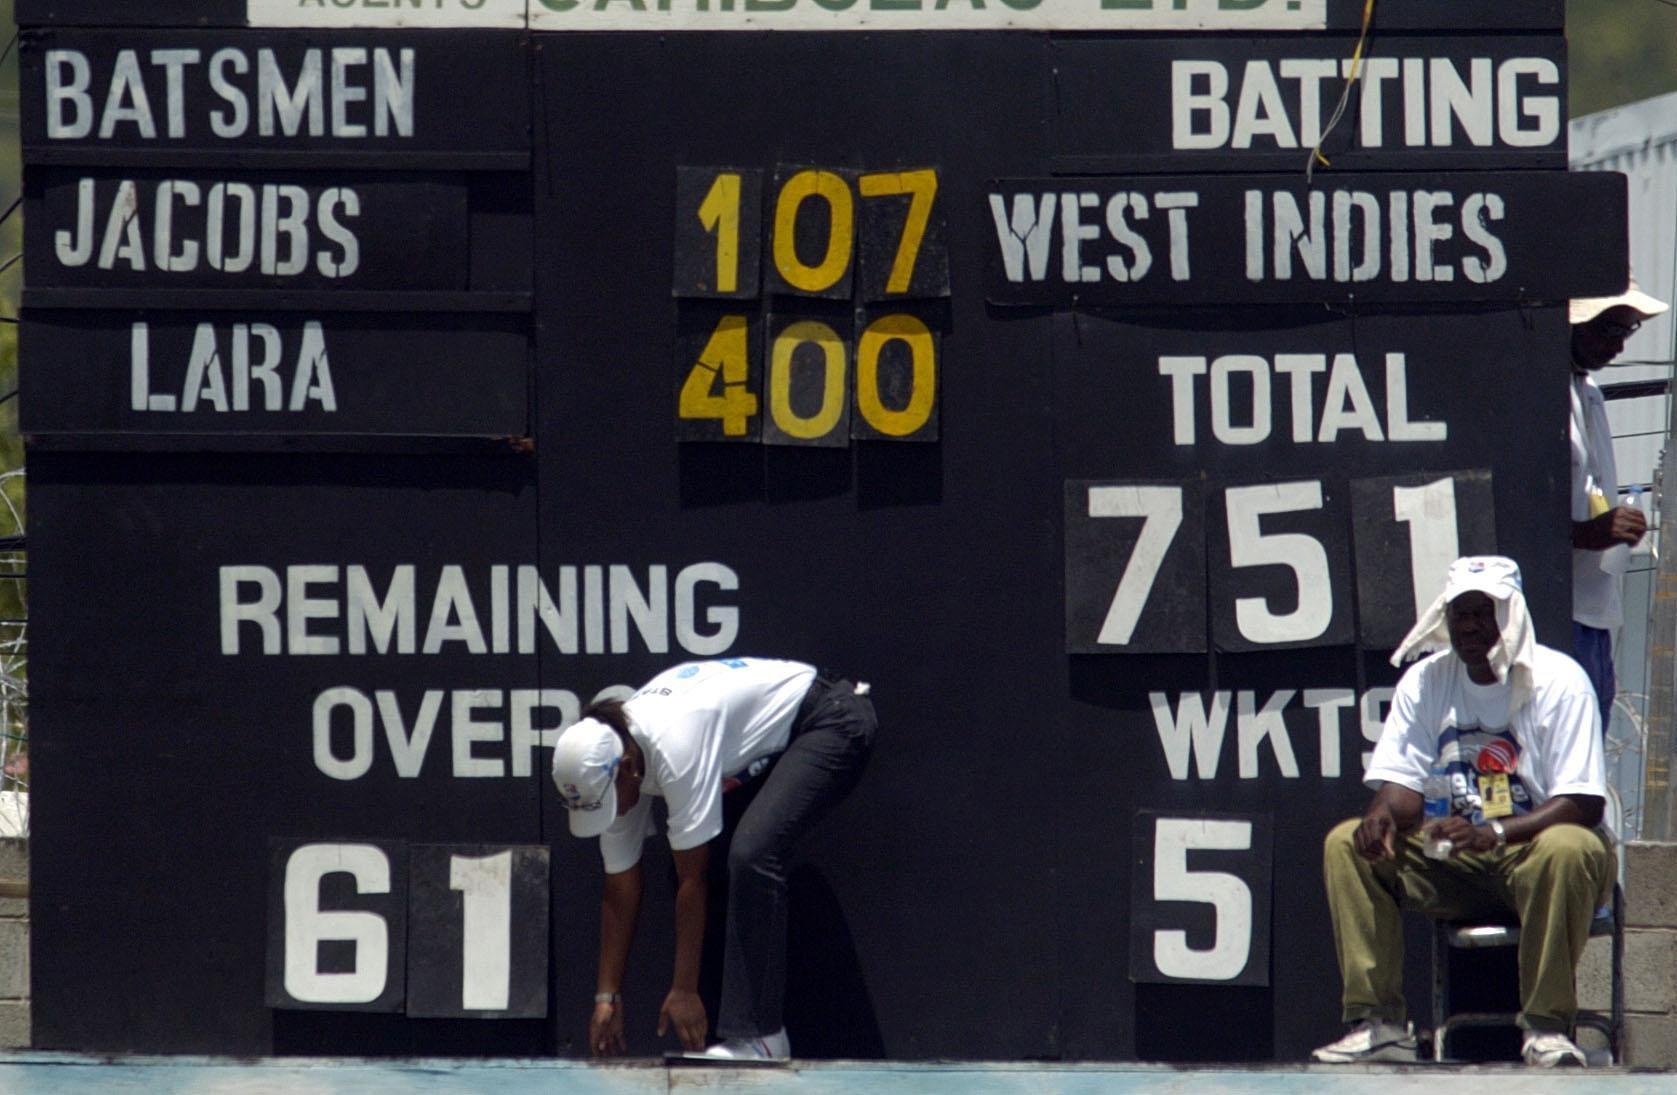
[1350, 81]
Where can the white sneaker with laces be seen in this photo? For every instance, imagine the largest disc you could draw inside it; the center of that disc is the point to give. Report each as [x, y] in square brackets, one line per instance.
[1370, 1040]
[766, 1047]
[1546, 1049]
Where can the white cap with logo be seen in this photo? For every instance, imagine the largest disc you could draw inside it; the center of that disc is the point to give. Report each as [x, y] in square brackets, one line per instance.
[585, 760]
[1495, 576]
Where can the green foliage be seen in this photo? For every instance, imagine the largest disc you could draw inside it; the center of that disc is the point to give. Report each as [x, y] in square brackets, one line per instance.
[1619, 51]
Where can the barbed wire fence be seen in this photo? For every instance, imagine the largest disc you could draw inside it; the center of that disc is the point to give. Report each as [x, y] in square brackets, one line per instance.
[14, 663]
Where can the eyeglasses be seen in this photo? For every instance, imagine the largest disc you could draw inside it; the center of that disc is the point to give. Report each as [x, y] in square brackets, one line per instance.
[1610, 329]
[571, 798]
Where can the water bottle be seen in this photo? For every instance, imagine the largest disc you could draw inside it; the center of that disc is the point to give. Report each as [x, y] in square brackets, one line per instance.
[1436, 789]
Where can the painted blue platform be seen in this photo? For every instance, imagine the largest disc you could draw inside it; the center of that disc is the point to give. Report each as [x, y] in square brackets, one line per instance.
[61, 1074]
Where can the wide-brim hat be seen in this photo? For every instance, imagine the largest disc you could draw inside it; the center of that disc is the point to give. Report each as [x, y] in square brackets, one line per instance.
[1585, 309]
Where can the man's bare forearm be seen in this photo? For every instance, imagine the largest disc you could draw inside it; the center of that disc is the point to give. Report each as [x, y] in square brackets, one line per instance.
[620, 902]
[691, 895]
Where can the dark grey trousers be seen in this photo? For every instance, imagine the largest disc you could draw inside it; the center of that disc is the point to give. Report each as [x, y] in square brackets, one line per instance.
[831, 736]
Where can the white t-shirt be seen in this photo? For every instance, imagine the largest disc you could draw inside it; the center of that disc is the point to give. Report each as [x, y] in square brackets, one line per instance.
[698, 724]
[1552, 745]
[1597, 599]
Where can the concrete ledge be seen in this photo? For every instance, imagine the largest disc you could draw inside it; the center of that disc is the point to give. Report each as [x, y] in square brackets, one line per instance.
[16, 1029]
[52, 1074]
[1651, 1041]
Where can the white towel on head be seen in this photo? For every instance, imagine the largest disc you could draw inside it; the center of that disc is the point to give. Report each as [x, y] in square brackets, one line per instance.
[1511, 658]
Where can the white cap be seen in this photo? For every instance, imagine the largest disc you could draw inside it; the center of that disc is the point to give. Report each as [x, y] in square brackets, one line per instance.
[585, 760]
[1497, 576]
[1587, 308]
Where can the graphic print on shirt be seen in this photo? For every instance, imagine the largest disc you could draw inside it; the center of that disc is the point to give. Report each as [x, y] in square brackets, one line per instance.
[690, 675]
[1483, 767]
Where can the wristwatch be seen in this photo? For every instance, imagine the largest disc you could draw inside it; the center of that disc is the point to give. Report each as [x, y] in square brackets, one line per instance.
[1501, 834]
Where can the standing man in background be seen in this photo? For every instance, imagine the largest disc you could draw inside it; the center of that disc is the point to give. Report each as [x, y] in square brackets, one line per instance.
[691, 734]
[1603, 530]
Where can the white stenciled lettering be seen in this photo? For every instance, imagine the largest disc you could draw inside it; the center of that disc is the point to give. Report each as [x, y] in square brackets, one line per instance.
[1438, 102]
[1351, 236]
[1025, 234]
[1193, 730]
[223, 370]
[228, 228]
[122, 241]
[1114, 237]
[587, 609]
[1073, 231]
[1478, 211]
[1260, 111]
[491, 733]
[1327, 703]
[1255, 725]
[1188, 732]
[69, 106]
[469, 731]
[281, 107]
[233, 118]
[345, 92]
[173, 62]
[126, 99]
[1242, 403]
[75, 248]
[1140, 259]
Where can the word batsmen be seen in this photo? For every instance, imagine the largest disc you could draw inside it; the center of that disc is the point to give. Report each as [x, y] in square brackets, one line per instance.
[347, 92]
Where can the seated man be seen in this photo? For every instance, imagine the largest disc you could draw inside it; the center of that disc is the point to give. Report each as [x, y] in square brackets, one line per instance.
[1517, 728]
[687, 736]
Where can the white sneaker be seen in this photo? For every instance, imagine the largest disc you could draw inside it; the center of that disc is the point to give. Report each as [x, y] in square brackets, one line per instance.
[766, 1047]
[1546, 1049]
[1370, 1040]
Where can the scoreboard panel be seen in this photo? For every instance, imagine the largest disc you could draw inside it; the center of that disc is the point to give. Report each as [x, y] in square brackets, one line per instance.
[415, 373]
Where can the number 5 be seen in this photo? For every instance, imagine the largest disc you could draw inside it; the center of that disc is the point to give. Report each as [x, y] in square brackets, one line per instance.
[1231, 943]
[1303, 555]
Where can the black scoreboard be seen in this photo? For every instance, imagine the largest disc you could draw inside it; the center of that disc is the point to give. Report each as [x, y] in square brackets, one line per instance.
[1099, 379]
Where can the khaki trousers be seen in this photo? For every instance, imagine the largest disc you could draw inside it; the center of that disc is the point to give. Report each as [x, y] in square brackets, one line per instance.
[1552, 884]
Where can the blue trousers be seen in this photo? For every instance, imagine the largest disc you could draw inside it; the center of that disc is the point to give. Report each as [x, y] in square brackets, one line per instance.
[1593, 649]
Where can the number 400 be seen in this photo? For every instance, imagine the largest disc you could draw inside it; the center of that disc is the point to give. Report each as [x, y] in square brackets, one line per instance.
[895, 380]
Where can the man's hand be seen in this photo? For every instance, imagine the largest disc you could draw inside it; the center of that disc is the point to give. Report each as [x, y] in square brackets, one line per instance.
[605, 1030]
[1463, 835]
[684, 1011]
[1376, 837]
[1619, 525]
